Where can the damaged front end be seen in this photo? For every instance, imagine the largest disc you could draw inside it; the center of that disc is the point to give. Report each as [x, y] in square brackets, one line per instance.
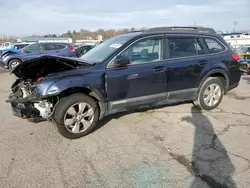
[32, 95]
[26, 103]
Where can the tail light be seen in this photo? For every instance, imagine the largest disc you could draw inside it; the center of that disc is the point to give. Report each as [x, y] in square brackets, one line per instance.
[71, 49]
[40, 79]
[235, 56]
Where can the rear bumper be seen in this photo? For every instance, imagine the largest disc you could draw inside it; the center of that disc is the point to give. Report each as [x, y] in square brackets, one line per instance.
[233, 86]
[22, 109]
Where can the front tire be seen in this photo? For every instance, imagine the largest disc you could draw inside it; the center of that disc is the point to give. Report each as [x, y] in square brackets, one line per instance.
[211, 94]
[14, 63]
[76, 115]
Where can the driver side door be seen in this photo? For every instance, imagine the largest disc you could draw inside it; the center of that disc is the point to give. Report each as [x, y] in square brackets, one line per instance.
[143, 80]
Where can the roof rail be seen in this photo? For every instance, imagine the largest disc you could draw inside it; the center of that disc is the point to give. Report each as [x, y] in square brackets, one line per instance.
[133, 31]
[182, 29]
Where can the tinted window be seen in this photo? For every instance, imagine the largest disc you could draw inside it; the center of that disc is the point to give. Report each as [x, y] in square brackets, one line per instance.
[20, 46]
[144, 51]
[84, 49]
[7, 44]
[60, 46]
[184, 47]
[35, 48]
[214, 46]
[50, 46]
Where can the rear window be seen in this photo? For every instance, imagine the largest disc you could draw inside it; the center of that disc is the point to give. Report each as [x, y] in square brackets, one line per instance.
[214, 46]
[50, 46]
[60, 46]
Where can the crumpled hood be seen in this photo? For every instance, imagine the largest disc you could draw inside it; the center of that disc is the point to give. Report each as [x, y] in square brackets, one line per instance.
[9, 51]
[45, 65]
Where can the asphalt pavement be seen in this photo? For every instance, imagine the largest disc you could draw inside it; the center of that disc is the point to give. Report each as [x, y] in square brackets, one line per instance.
[175, 146]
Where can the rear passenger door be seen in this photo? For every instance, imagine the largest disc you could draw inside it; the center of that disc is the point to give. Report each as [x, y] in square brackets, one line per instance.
[61, 49]
[187, 57]
[50, 49]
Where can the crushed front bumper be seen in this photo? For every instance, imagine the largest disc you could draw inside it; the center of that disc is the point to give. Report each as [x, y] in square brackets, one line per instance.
[23, 108]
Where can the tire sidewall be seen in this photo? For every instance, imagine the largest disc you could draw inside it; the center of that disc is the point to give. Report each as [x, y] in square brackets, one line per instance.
[62, 107]
[209, 81]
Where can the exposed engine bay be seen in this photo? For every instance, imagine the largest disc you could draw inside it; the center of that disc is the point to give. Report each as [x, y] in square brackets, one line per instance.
[24, 97]
[45, 65]
[30, 74]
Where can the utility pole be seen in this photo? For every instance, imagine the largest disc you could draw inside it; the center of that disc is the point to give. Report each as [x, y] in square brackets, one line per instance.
[234, 26]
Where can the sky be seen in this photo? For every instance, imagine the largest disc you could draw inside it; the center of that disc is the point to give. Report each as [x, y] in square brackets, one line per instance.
[27, 17]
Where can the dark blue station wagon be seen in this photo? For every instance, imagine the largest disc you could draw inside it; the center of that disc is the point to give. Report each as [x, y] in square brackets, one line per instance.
[135, 70]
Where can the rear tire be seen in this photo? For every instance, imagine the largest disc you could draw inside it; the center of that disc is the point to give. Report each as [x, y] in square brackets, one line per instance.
[13, 63]
[211, 94]
[76, 115]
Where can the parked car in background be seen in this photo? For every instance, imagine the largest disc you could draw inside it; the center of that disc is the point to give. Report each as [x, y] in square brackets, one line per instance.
[130, 71]
[5, 45]
[245, 58]
[10, 59]
[83, 49]
[21, 45]
[8, 46]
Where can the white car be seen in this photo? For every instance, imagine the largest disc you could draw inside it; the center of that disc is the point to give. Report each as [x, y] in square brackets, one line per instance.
[6, 45]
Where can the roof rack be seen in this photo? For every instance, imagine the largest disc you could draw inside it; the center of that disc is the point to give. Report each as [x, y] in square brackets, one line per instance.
[133, 31]
[182, 29]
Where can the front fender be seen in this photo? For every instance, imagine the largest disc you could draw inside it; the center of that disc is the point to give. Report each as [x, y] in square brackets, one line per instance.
[91, 81]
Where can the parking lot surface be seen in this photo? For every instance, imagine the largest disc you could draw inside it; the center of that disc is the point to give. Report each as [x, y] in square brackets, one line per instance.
[174, 146]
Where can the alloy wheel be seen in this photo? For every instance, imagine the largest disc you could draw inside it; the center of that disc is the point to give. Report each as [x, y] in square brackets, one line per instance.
[212, 94]
[78, 117]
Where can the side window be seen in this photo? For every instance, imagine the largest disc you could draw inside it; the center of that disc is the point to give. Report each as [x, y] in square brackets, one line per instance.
[7, 44]
[213, 45]
[144, 51]
[59, 46]
[85, 49]
[36, 48]
[50, 46]
[185, 47]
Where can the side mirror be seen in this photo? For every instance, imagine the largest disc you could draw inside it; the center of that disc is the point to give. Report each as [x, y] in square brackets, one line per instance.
[121, 62]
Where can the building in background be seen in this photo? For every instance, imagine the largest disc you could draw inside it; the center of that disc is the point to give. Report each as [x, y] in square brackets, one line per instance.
[99, 37]
[237, 40]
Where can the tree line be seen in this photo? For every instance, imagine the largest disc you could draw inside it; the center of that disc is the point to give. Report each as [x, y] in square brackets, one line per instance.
[86, 34]
[78, 35]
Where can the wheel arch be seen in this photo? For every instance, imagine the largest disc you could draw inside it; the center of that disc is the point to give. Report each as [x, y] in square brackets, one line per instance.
[217, 73]
[93, 93]
[13, 59]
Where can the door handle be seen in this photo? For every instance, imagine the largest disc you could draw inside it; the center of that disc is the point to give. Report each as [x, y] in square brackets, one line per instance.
[159, 69]
[203, 62]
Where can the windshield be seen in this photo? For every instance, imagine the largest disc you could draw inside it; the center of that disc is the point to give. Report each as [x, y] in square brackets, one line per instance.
[105, 49]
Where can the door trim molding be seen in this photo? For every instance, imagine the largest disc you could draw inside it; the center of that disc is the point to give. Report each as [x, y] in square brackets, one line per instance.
[180, 95]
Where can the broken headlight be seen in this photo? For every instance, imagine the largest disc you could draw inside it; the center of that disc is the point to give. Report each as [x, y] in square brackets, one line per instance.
[46, 88]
